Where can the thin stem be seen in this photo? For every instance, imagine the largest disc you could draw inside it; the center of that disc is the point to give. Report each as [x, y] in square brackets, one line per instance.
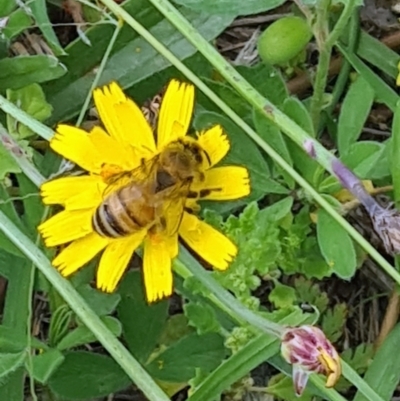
[99, 72]
[341, 23]
[121, 355]
[321, 78]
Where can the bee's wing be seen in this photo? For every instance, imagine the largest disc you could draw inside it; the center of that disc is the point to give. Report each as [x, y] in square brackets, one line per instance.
[141, 174]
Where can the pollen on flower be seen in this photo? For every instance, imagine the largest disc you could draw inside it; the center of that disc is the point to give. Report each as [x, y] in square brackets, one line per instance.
[135, 189]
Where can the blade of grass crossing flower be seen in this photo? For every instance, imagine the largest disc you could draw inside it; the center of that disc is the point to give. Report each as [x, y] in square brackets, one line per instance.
[298, 135]
[130, 365]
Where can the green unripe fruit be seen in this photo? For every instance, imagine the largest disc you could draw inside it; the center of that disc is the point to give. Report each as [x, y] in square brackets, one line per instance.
[283, 40]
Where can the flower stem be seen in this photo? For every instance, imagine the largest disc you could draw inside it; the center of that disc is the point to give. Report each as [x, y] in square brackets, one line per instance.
[128, 363]
[325, 42]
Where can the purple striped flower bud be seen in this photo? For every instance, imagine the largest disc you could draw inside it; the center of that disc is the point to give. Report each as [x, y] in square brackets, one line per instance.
[308, 350]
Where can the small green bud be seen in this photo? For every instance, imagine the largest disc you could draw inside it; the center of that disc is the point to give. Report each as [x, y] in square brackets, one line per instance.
[283, 40]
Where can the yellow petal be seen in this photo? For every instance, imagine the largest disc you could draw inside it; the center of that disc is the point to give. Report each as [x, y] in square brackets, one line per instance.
[66, 226]
[223, 183]
[73, 192]
[113, 152]
[122, 118]
[207, 242]
[215, 143]
[157, 268]
[81, 251]
[115, 259]
[74, 144]
[175, 112]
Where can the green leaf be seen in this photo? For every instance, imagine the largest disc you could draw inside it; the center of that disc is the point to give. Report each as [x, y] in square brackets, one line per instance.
[10, 362]
[368, 159]
[298, 113]
[231, 7]
[378, 54]
[142, 324]
[31, 100]
[6, 6]
[45, 364]
[86, 375]
[82, 335]
[333, 321]
[282, 388]
[202, 317]
[17, 22]
[9, 341]
[336, 246]
[384, 93]
[21, 71]
[268, 81]
[354, 112]
[277, 211]
[7, 207]
[39, 12]
[179, 362]
[7, 163]
[282, 296]
[132, 61]
[33, 205]
[384, 372]
[272, 135]
[395, 154]
[100, 302]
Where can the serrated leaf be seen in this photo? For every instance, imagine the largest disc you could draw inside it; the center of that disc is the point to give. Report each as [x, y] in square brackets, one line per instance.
[231, 7]
[282, 296]
[45, 364]
[202, 317]
[333, 322]
[179, 362]
[21, 71]
[336, 246]
[311, 293]
[82, 335]
[142, 323]
[85, 375]
[354, 112]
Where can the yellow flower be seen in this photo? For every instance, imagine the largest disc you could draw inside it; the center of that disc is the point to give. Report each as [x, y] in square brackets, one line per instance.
[125, 143]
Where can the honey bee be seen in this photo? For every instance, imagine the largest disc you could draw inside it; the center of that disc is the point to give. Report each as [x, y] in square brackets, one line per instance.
[155, 193]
